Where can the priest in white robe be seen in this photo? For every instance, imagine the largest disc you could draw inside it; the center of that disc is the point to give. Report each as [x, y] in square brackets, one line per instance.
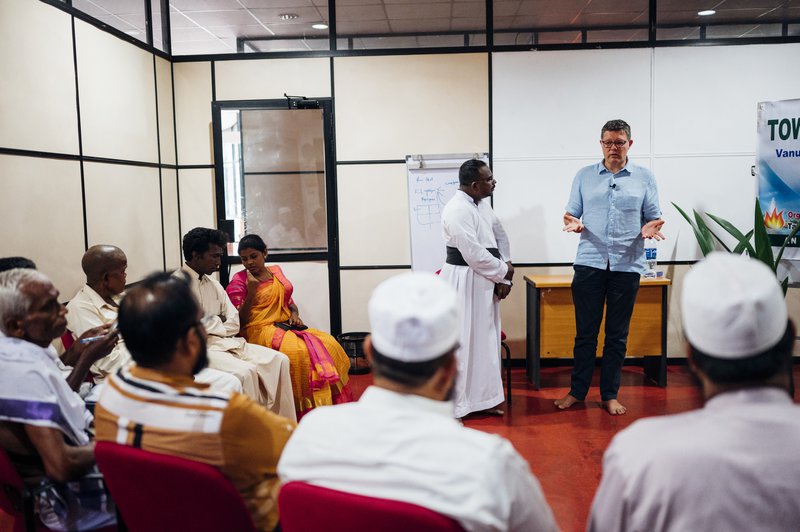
[478, 266]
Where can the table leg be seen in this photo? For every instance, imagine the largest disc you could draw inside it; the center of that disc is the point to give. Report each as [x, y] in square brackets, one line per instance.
[655, 367]
[532, 335]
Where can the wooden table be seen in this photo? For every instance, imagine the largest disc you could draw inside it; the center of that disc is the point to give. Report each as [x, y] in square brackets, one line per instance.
[550, 324]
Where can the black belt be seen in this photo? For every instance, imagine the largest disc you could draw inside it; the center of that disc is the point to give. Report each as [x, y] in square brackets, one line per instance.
[455, 257]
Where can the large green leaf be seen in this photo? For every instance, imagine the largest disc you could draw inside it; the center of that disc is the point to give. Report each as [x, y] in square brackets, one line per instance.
[704, 230]
[718, 239]
[705, 243]
[740, 247]
[761, 239]
[743, 240]
[761, 251]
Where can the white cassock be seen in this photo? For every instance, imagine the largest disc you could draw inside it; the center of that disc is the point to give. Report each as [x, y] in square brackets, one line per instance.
[472, 228]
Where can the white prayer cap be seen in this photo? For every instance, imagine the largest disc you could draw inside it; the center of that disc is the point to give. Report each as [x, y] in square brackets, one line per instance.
[414, 317]
[732, 306]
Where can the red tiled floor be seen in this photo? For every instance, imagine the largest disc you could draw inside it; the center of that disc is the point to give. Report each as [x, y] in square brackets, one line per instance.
[565, 448]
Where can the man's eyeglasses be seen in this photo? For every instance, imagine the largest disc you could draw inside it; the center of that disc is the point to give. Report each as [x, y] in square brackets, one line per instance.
[615, 144]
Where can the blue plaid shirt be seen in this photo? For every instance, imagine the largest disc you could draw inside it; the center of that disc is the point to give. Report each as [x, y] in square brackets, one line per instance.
[613, 208]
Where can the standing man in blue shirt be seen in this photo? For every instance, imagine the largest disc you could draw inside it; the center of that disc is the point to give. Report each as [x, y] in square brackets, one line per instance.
[614, 206]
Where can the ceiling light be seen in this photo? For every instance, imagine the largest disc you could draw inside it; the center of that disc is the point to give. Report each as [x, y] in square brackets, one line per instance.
[320, 26]
[131, 32]
[288, 16]
[706, 12]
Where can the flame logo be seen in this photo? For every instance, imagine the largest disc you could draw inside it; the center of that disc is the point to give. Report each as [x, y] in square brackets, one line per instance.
[774, 219]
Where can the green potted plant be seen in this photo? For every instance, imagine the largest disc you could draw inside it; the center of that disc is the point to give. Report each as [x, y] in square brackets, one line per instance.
[760, 248]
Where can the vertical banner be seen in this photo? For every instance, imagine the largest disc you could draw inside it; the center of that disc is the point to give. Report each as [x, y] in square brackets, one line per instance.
[778, 160]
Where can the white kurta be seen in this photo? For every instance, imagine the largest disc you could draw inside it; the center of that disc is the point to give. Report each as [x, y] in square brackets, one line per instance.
[408, 448]
[472, 228]
[732, 465]
[264, 372]
[88, 310]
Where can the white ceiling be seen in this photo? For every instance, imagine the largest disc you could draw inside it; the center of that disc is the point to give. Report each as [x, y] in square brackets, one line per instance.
[212, 26]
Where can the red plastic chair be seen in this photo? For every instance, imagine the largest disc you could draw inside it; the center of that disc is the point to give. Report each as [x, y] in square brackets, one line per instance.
[67, 339]
[16, 500]
[345, 512]
[161, 493]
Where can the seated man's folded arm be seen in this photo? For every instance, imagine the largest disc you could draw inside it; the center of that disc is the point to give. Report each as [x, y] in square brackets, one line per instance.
[62, 462]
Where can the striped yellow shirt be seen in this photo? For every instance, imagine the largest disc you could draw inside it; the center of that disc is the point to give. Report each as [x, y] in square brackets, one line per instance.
[172, 414]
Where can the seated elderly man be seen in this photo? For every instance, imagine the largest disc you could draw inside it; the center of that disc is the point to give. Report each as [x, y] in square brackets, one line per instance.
[65, 362]
[164, 411]
[97, 304]
[203, 249]
[408, 445]
[734, 464]
[43, 422]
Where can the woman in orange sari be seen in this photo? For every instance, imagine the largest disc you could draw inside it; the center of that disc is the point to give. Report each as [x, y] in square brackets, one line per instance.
[269, 317]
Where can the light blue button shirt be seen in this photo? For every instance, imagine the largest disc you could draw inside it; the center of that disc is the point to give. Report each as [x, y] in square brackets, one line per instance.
[613, 208]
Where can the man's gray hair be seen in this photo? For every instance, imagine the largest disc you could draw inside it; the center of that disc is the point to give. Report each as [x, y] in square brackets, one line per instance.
[14, 303]
[616, 125]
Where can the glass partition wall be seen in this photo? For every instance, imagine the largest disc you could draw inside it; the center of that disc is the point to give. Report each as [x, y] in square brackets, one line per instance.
[274, 178]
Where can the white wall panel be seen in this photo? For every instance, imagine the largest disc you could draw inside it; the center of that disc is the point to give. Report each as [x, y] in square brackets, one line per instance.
[357, 287]
[550, 104]
[123, 208]
[373, 215]
[166, 122]
[118, 97]
[42, 217]
[705, 96]
[388, 107]
[172, 233]
[720, 185]
[193, 112]
[37, 86]
[311, 292]
[676, 348]
[271, 78]
[196, 189]
[529, 200]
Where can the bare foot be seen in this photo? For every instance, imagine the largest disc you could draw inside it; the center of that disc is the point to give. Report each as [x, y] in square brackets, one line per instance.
[566, 402]
[496, 411]
[614, 407]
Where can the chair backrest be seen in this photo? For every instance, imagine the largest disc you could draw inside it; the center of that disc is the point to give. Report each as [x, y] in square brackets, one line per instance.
[304, 507]
[67, 339]
[11, 491]
[157, 492]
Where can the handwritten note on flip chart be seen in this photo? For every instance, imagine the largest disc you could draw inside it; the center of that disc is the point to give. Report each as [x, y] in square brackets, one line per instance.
[429, 190]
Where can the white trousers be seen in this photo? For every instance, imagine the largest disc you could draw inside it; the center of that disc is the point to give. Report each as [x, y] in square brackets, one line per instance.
[263, 374]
